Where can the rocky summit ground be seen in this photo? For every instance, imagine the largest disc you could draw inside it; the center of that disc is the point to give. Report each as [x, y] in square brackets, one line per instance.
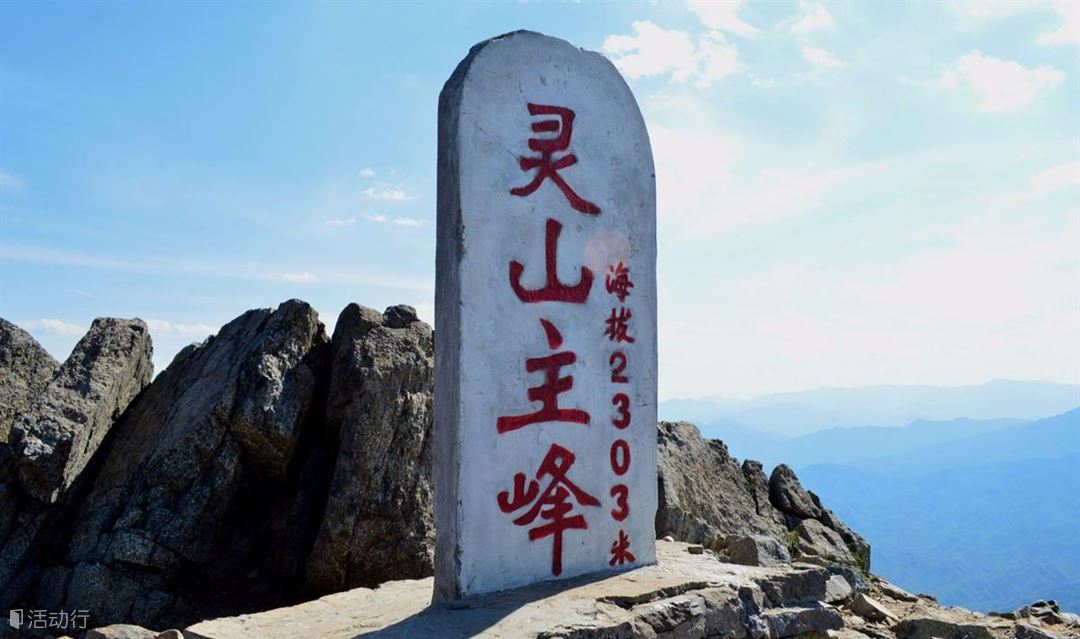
[276, 481]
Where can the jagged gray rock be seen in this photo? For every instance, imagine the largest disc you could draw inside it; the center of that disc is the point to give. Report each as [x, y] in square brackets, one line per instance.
[378, 523]
[25, 370]
[706, 497]
[703, 494]
[757, 550]
[869, 608]
[55, 437]
[936, 628]
[788, 495]
[196, 480]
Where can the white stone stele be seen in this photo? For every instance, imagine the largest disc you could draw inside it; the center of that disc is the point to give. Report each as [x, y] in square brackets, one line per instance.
[485, 333]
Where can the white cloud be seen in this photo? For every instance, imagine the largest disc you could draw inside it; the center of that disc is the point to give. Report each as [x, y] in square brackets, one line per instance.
[1069, 31]
[350, 221]
[378, 219]
[9, 181]
[55, 326]
[298, 278]
[387, 193]
[165, 327]
[655, 51]
[721, 16]
[812, 17]
[977, 11]
[367, 173]
[821, 58]
[1002, 85]
[407, 221]
[760, 82]
[1056, 178]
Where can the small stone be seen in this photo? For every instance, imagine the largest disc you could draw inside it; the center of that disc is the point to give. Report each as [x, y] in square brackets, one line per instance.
[399, 316]
[121, 631]
[170, 634]
[669, 538]
[1027, 631]
[837, 589]
[870, 609]
[695, 549]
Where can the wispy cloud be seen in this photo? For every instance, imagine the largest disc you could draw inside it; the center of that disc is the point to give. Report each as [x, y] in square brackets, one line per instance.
[387, 193]
[408, 221]
[1001, 85]
[350, 221]
[298, 278]
[1056, 178]
[366, 172]
[811, 17]
[377, 218]
[165, 327]
[722, 16]
[55, 327]
[654, 51]
[1069, 31]
[201, 267]
[822, 58]
[11, 182]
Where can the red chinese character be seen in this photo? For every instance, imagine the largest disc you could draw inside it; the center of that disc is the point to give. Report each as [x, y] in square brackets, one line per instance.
[548, 392]
[618, 281]
[620, 551]
[617, 325]
[551, 505]
[553, 290]
[547, 147]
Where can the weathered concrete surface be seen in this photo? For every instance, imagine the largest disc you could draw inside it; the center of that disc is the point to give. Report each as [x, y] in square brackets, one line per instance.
[683, 594]
[494, 247]
[25, 369]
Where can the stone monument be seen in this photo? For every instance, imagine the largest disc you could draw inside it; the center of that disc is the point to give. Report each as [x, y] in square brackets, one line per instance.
[545, 325]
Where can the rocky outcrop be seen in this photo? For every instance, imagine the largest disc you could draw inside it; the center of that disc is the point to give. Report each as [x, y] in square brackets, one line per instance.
[264, 464]
[25, 369]
[706, 497]
[55, 437]
[199, 465]
[378, 523]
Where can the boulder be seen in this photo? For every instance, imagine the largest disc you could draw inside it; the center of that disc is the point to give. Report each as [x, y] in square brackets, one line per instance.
[703, 495]
[870, 609]
[757, 550]
[796, 621]
[814, 539]
[55, 437]
[378, 523]
[25, 369]
[121, 631]
[837, 589]
[1028, 631]
[191, 507]
[924, 627]
[788, 495]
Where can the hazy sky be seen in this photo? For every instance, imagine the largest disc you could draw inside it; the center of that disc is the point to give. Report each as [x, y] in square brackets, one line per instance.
[849, 194]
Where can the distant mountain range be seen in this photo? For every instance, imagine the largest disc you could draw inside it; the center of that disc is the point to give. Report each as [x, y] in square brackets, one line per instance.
[984, 522]
[793, 414]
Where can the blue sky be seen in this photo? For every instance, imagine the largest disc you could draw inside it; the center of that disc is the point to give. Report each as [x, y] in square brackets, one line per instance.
[849, 194]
